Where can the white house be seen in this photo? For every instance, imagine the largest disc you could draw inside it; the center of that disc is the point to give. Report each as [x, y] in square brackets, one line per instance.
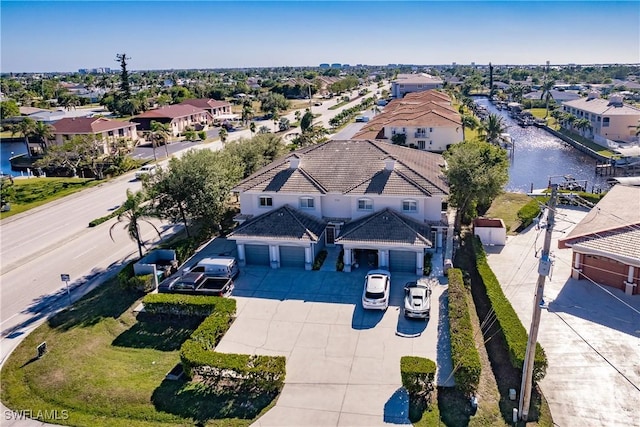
[372, 198]
[407, 83]
[106, 130]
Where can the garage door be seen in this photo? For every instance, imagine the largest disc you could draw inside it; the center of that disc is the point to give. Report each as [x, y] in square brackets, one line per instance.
[402, 261]
[257, 254]
[605, 271]
[291, 256]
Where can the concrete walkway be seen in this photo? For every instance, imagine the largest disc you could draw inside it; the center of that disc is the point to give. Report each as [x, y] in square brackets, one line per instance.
[591, 335]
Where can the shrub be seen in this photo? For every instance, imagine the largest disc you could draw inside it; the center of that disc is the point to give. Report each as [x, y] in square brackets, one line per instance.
[340, 262]
[464, 355]
[105, 218]
[417, 374]
[515, 335]
[142, 283]
[125, 274]
[202, 135]
[426, 266]
[528, 212]
[322, 255]
[188, 305]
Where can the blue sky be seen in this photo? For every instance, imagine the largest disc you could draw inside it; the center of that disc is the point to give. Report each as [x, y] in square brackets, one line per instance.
[66, 36]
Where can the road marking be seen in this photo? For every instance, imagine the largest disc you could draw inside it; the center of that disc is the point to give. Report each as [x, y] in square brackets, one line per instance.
[83, 253]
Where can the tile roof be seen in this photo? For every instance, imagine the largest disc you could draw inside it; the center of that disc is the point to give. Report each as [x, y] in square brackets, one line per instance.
[386, 227]
[205, 103]
[622, 244]
[345, 166]
[171, 112]
[602, 107]
[284, 223]
[87, 125]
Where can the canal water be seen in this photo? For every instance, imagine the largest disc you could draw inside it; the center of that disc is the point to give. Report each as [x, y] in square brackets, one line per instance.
[538, 155]
[7, 150]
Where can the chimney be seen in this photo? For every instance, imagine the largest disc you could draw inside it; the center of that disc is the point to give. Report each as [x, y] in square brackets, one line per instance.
[389, 163]
[294, 162]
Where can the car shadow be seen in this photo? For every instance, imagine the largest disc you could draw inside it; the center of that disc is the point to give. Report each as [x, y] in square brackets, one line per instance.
[410, 327]
[365, 319]
[396, 408]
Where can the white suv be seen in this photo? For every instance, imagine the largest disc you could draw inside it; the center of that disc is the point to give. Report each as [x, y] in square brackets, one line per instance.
[375, 295]
[146, 170]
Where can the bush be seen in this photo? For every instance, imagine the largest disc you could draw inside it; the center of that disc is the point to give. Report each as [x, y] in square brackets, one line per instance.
[125, 274]
[105, 218]
[426, 266]
[515, 335]
[464, 355]
[322, 255]
[144, 283]
[340, 262]
[189, 305]
[202, 135]
[417, 374]
[528, 212]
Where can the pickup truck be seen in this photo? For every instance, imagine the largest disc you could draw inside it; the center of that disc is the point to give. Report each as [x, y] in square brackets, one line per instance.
[197, 284]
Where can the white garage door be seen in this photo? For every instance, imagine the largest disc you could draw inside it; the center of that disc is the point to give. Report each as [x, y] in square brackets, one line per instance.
[257, 254]
[292, 256]
[402, 261]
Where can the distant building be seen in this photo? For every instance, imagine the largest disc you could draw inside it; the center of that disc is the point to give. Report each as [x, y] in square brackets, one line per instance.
[325, 66]
[336, 65]
[407, 83]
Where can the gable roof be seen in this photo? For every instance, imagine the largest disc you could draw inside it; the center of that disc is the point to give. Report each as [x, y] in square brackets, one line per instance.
[284, 223]
[171, 112]
[622, 245]
[88, 125]
[387, 227]
[205, 103]
[352, 166]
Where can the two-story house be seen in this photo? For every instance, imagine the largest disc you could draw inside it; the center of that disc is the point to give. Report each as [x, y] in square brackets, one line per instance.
[219, 110]
[179, 117]
[610, 119]
[105, 130]
[427, 120]
[407, 83]
[377, 200]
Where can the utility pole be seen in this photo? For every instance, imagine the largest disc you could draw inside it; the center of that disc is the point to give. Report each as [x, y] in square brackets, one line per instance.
[544, 269]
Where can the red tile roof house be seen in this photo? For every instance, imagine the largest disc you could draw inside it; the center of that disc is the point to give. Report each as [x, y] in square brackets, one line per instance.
[214, 107]
[179, 117]
[108, 130]
[606, 243]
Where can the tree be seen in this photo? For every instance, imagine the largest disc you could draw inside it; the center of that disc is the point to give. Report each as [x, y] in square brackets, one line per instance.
[247, 114]
[195, 187]
[160, 133]
[476, 171]
[399, 139]
[9, 108]
[283, 124]
[223, 134]
[68, 155]
[493, 127]
[516, 91]
[252, 128]
[468, 122]
[256, 152]
[297, 115]
[43, 132]
[263, 129]
[125, 89]
[313, 135]
[306, 121]
[135, 211]
[26, 128]
[546, 88]
[583, 125]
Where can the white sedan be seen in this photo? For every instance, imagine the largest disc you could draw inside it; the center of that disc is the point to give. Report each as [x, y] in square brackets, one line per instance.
[377, 284]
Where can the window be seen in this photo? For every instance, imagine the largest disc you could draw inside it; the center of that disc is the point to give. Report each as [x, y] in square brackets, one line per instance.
[410, 206]
[307, 203]
[421, 145]
[605, 122]
[365, 205]
[430, 129]
[266, 201]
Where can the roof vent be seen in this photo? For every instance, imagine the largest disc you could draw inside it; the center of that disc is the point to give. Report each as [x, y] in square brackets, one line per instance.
[294, 162]
[615, 100]
[593, 95]
[389, 163]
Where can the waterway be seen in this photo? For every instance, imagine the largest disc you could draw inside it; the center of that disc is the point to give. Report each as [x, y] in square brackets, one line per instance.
[7, 150]
[538, 155]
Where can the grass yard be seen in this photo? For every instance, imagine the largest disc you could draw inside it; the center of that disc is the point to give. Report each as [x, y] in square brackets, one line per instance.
[34, 192]
[506, 206]
[107, 368]
[588, 143]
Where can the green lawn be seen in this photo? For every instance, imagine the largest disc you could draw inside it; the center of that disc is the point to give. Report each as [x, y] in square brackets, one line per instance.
[34, 192]
[588, 143]
[107, 368]
[506, 206]
[338, 105]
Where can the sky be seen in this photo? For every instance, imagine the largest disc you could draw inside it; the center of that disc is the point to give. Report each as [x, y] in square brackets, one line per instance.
[66, 36]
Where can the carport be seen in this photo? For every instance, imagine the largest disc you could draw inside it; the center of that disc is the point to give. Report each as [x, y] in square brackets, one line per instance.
[400, 242]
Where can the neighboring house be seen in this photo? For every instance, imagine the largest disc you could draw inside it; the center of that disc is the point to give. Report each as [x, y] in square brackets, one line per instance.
[610, 118]
[606, 243]
[407, 83]
[378, 201]
[558, 96]
[427, 119]
[109, 131]
[179, 117]
[217, 109]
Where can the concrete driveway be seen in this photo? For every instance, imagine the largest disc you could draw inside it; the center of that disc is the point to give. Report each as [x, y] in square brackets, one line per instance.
[343, 363]
[591, 335]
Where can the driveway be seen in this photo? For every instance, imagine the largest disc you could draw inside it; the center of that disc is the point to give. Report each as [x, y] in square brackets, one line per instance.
[591, 335]
[343, 363]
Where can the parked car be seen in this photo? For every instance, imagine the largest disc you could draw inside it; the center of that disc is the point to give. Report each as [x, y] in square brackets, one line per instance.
[417, 299]
[317, 103]
[362, 119]
[375, 295]
[217, 267]
[146, 170]
[197, 284]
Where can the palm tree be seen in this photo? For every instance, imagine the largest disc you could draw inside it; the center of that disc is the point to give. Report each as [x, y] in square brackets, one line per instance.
[468, 122]
[26, 128]
[223, 134]
[160, 132]
[43, 132]
[134, 212]
[546, 88]
[252, 128]
[297, 115]
[276, 120]
[247, 113]
[516, 91]
[493, 127]
[582, 125]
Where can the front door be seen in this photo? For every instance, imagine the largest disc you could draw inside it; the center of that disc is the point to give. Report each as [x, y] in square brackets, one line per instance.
[330, 234]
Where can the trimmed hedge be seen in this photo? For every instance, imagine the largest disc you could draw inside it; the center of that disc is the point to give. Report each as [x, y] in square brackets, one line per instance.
[189, 305]
[417, 374]
[464, 354]
[426, 266]
[528, 212]
[106, 218]
[515, 335]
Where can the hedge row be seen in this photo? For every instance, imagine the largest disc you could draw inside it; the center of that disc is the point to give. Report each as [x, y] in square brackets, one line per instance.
[106, 218]
[528, 212]
[417, 374]
[464, 354]
[515, 335]
[189, 305]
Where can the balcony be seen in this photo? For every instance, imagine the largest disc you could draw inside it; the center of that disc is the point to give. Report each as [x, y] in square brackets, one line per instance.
[420, 135]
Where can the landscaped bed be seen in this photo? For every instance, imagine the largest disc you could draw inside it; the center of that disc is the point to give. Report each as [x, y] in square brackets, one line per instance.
[105, 367]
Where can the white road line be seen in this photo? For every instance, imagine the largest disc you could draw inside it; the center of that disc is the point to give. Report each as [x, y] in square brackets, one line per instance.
[82, 253]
